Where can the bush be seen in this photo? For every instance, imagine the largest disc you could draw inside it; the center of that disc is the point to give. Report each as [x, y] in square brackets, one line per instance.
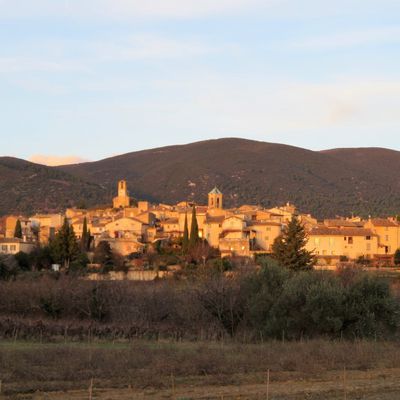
[205, 304]
[309, 305]
[370, 309]
[23, 261]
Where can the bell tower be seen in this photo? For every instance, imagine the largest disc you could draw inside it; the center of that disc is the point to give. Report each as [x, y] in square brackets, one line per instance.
[122, 200]
[122, 190]
[215, 199]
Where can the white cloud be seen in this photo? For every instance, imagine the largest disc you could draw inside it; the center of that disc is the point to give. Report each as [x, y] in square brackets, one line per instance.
[125, 8]
[22, 64]
[147, 46]
[242, 107]
[350, 39]
[55, 160]
[139, 9]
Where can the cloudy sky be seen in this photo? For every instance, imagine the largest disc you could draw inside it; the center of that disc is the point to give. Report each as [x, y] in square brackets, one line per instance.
[87, 79]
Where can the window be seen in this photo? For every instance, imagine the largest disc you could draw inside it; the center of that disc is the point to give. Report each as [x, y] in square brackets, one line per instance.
[367, 237]
[266, 237]
[387, 238]
[368, 246]
[331, 242]
[350, 240]
[268, 228]
[4, 247]
[13, 247]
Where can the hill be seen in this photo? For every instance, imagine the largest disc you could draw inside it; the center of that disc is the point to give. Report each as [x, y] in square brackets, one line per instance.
[328, 183]
[26, 188]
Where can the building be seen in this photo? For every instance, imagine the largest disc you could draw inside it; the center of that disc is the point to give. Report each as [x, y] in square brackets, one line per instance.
[14, 246]
[122, 200]
[333, 243]
[215, 198]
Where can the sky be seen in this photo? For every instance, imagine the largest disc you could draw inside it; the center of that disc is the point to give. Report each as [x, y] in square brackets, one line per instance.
[89, 79]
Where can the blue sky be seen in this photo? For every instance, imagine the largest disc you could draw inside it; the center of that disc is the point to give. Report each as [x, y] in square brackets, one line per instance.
[87, 79]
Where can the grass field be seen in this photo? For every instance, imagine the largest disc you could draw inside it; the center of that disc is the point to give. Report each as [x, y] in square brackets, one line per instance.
[315, 369]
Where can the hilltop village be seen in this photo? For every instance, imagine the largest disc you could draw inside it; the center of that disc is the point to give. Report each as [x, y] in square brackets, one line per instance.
[243, 232]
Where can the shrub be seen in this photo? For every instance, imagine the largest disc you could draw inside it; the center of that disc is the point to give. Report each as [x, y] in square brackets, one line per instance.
[370, 309]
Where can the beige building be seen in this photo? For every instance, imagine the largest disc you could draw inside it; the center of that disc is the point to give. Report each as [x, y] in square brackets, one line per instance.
[346, 242]
[388, 233]
[126, 228]
[14, 246]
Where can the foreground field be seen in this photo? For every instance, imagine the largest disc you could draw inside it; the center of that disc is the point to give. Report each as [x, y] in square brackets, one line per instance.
[162, 370]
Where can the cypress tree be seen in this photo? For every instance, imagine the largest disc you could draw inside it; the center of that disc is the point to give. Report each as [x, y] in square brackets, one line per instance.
[18, 230]
[64, 247]
[89, 240]
[289, 248]
[84, 237]
[185, 240]
[194, 230]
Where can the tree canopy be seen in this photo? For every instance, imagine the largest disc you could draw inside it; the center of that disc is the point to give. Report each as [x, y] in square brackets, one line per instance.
[289, 248]
[18, 230]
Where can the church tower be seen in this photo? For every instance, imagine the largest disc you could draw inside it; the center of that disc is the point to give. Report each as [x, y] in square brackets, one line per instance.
[122, 200]
[122, 190]
[215, 199]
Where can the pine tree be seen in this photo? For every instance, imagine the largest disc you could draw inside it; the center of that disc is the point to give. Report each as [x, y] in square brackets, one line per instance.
[185, 240]
[18, 230]
[289, 248]
[64, 247]
[194, 230]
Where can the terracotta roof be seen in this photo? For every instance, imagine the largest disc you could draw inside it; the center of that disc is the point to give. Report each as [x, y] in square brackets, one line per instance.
[266, 223]
[383, 222]
[342, 223]
[170, 221]
[325, 231]
[13, 240]
[215, 220]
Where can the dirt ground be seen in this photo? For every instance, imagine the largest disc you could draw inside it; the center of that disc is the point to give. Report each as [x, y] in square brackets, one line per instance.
[382, 384]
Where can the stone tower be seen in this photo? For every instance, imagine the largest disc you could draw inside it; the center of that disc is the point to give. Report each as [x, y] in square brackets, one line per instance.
[215, 199]
[122, 200]
[122, 189]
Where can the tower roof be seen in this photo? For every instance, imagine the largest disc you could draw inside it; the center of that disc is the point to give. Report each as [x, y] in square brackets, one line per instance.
[215, 191]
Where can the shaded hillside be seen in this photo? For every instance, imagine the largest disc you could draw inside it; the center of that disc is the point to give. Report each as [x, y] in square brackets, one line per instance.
[26, 188]
[323, 183]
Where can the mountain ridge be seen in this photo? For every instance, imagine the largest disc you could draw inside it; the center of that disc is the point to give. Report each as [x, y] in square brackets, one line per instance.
[324, 183]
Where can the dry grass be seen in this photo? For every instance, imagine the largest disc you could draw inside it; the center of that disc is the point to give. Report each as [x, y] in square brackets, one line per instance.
[30, 367]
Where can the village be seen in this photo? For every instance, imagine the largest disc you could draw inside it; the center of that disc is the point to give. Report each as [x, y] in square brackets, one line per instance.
[246, 231]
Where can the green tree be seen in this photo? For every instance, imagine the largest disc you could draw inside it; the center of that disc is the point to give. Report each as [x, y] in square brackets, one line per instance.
[41, 258]
[18, 230]
[23, 260]
[185, 240]
[194, 230]
[289, 248]
[397, 257]
[104, 256]
[370, 309]
[86, 237]
[64, 247]
[89, 240]
[308, 305]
